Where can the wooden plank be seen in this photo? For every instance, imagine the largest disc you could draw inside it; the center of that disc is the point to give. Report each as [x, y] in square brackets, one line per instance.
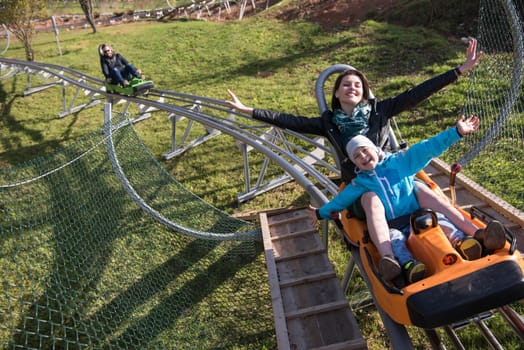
[346, 345]
[447, 189]
[254, 215]
[325, 329]
[313, 310]
[306, 266]
[480, 205]
[307, 279]
[288, 220]
[301, 254]
[276, 297]
[292, 234]
[313, 293]
[332, 325]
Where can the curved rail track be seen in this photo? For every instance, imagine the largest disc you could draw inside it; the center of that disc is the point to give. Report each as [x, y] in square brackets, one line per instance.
[302, 159]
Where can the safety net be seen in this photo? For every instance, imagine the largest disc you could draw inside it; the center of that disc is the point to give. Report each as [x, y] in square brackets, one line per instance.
[494, 156]
[83, 265]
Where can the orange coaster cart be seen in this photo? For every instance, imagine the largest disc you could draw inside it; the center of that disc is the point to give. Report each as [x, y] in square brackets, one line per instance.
[454, 289]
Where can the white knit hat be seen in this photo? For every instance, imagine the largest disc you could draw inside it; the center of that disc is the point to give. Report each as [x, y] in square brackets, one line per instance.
[357, 142]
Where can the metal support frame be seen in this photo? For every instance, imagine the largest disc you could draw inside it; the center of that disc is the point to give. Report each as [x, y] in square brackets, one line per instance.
[185, 145]
[144, 112]
[7, 39]
[488, 334]
[455, 340]
[273, 135]
[67, 109]
[72, 108]
[243, 7]
[515, 320]
[31, 90]
[10, 72]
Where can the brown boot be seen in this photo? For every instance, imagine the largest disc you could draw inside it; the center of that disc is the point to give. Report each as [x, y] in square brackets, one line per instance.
[388, 267]
[493, 237]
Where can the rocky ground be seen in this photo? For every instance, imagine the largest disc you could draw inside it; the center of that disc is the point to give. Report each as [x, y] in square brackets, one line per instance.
[329, 14]
[333, 13]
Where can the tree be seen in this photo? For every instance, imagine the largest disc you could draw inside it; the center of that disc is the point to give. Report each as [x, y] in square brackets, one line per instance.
[18, 17]
[87, 7]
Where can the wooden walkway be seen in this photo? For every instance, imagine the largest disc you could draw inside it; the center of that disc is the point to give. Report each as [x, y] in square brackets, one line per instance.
[309, 305]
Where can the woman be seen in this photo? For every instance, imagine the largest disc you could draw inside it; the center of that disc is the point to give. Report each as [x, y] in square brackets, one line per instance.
[116, 69]
[355, 112]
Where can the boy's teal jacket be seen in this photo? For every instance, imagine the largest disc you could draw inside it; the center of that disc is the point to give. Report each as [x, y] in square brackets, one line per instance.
[392, 179]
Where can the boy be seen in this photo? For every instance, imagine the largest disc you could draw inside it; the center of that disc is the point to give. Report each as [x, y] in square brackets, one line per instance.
[391, 177]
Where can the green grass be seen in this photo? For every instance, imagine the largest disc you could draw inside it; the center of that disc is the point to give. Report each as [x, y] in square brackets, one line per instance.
[267, 63]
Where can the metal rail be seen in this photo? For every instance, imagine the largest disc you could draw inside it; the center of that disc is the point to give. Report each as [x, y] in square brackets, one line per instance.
[295, 161]
[7, 39]
[213, 114]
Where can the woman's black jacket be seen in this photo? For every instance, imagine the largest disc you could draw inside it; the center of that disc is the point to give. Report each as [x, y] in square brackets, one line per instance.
[108, 64]
[381, 112]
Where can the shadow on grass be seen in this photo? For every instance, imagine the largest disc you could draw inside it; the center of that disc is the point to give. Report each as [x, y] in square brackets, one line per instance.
[20, 142]
[11, 127]
[118, 279]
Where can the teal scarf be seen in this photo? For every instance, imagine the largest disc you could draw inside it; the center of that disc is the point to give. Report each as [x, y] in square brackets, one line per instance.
[356, 124]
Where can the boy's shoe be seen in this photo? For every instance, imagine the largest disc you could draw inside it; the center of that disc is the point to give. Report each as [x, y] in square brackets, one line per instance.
[125, 83]
[388, 267]
[414, 271]
[469, 248]
[493, 236]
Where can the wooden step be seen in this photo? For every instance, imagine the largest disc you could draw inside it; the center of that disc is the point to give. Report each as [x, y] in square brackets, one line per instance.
[313, 310]
[309, 306]
[307, 279]
[299, 254]
[293, 234]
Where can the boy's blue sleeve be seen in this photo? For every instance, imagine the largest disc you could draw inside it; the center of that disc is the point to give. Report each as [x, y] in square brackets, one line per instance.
[342, 200]
[418, 156]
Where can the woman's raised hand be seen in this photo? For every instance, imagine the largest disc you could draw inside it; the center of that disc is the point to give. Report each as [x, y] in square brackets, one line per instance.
[472, 56]
[236, 104]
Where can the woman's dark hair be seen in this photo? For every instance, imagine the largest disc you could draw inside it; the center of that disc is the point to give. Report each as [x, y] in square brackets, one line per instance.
[335, 102]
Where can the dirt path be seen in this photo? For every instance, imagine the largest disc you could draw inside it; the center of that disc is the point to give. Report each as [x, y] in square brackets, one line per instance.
[329, 14]
[335, 13]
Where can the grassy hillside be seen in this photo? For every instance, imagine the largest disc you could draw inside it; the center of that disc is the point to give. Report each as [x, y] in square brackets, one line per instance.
[268, 63]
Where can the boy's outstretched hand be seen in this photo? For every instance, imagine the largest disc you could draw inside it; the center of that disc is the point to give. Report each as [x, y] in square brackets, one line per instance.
[312, 215]
[467, 125]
